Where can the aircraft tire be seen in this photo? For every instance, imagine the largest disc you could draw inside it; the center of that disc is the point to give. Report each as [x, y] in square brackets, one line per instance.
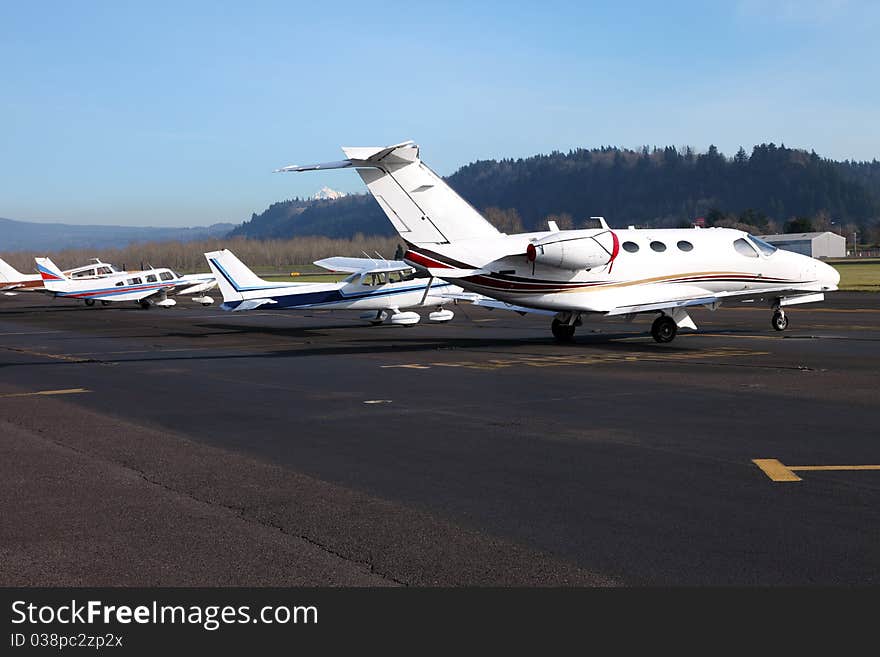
[779, 321]
[104, 302]
[664, 329]
[144, 304]
[90, 302]
[562, 332]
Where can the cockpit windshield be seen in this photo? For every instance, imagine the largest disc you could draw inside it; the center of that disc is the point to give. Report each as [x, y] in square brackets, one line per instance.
[765, 247]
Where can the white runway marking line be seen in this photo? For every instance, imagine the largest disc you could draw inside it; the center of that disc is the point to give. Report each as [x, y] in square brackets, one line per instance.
[378, 401]
[67, 391]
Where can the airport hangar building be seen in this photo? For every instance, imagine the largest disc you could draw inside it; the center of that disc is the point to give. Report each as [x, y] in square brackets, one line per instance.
[815, 245]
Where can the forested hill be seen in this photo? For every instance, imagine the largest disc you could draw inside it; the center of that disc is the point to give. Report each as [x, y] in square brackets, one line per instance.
[766, 190]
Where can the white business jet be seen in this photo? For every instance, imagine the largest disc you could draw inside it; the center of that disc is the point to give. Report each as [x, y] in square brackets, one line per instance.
[574, 274]
[379, 287]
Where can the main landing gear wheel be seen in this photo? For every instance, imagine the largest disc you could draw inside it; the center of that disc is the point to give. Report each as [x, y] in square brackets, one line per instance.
[664, 329]
[104, 302]
[90, 302]
[144, 304]
[380, 317]
[562, 332]
[779, 321]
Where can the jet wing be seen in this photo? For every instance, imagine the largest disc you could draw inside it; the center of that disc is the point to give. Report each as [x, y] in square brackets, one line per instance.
[646, 298]
[668, 296]
[487, 302]
[362, 265]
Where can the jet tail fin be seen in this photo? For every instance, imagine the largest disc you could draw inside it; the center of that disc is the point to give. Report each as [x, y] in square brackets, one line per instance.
[53, 278]
[233, 276]
[420, 205]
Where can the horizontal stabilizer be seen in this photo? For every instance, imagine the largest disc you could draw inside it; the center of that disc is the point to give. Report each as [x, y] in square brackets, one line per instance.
[339, 164]
[364, 156]
[251, 304]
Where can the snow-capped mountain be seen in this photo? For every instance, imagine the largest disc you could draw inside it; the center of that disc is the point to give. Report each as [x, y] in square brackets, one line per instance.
[327, 194]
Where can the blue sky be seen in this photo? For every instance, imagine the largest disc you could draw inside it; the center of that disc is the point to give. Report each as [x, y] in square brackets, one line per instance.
[176, 113]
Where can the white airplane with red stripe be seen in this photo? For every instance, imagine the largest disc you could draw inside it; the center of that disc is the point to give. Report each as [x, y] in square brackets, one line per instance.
[577, 274]
[148, 287]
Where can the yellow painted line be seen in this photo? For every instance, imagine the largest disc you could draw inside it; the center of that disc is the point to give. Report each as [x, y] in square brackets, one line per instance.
[553, 360]
[67, 391]
[31, 352]
[833, 467]
[777, 471]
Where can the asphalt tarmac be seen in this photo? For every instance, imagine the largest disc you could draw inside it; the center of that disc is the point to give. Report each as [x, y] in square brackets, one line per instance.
[190, 446]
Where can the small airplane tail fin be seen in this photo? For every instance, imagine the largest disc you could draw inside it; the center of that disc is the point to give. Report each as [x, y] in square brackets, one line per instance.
[420, 205]
[8, 273]
[53, 278]
[233, 276]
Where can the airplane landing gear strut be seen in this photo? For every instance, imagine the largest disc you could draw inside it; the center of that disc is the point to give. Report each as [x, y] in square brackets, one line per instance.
[779, 321]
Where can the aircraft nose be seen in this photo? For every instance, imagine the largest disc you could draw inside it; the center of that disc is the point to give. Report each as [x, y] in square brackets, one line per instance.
[828, 276]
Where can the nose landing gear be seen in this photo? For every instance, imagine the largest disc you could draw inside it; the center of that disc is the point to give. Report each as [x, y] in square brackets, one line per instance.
[779, 321]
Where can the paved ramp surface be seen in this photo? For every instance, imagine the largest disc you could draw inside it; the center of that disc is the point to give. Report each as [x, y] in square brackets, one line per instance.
[191, 446]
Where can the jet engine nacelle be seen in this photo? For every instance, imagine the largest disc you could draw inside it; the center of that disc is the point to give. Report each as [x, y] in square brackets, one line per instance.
[575, 250]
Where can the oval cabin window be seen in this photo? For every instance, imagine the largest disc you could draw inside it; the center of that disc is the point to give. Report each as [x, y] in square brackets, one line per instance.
[630, 247]
[659, 247]
[684, 245]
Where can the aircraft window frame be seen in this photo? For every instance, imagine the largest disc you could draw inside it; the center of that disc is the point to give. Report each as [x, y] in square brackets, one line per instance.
[104, 271]
[86, 273]
[630, 247]
[764, 247]
[687, 248]
[657, 246]
[166, 276]
[120, 283]
[745, 248]
[134, 281]
[151, 278]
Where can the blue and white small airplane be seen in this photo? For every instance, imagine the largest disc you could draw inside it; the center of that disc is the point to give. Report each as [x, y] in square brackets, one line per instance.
[146, 288]
[379, 287]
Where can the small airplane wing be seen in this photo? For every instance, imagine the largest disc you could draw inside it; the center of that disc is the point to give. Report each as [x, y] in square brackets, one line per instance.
[129, 295]
[196, 284]
[362, 265]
